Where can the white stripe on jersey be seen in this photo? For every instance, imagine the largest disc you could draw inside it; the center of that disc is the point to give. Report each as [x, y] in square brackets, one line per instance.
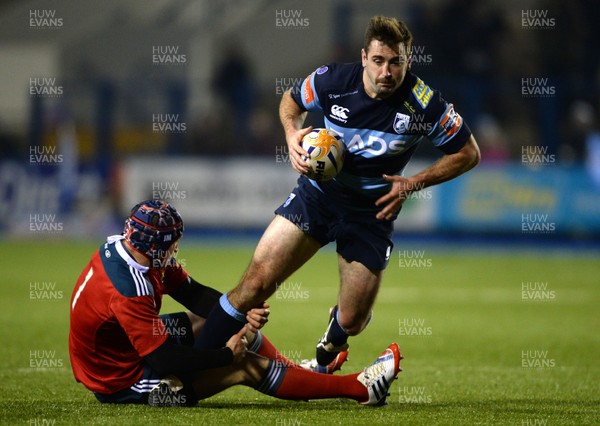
[140, 282]
[144, 282]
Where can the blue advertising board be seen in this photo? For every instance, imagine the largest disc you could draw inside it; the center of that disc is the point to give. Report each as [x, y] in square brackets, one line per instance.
[517, 199]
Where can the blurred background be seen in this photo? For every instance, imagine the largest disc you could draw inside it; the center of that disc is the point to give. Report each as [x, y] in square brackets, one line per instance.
[106, 103]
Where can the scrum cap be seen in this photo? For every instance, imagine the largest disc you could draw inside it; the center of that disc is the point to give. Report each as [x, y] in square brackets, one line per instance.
[152, 226]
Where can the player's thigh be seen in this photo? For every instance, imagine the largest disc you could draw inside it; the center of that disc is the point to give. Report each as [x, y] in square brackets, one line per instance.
[282, 249]
[359, 286]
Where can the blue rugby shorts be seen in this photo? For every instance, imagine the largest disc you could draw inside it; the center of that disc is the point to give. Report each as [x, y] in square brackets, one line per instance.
[358, 238]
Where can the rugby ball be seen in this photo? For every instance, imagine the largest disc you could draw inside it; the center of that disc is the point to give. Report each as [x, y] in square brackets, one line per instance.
[326, 151]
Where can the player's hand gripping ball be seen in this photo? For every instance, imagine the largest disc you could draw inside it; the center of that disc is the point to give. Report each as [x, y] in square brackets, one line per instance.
[326, 152]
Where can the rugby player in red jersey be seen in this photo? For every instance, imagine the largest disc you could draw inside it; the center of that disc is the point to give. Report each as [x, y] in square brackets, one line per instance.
[123, 351]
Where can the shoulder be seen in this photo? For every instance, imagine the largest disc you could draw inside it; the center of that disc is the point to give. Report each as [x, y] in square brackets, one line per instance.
[126, 279]
[339, 74]
[423, 98]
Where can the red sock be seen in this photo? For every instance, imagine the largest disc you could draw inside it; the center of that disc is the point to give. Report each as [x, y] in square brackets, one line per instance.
[300, 384]
[268, 350]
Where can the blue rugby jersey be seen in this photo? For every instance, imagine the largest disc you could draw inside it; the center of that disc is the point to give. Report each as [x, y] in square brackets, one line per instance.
[381, 135]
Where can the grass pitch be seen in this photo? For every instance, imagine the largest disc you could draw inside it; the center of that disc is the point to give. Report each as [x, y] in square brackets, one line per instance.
[488, 337]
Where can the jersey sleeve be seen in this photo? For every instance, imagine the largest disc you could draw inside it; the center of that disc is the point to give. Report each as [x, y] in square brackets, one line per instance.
[306, 92]
[142, 325]
[450, 133]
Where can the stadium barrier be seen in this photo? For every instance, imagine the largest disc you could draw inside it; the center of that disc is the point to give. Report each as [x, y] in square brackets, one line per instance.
[241, 193]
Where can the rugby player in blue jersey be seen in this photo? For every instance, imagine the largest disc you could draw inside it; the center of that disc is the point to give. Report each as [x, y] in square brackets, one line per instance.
[383, 111]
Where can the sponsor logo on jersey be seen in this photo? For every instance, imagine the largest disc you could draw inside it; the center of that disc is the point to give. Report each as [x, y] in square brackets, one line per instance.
[401, 122]
[422, 92]
[339, 113]
[309, 95]
[375, 146]
[451, 121]
[323, 70]
[341, 95]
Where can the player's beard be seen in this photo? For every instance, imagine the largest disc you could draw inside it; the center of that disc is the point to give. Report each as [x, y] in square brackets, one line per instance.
[386, 86]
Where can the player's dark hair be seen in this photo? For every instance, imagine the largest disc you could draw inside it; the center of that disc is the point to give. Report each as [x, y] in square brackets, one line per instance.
[388, 30]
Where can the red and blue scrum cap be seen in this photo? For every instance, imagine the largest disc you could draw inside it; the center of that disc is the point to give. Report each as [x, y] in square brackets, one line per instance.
[152, 227]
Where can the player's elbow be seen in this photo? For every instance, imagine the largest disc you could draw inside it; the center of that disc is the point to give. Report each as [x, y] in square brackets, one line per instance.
[472, 153]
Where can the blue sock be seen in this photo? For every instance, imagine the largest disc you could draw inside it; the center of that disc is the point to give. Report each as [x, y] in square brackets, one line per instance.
[335, 333]
[223, 322]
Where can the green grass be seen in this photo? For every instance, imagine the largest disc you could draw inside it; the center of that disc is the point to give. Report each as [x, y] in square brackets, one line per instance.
[464, 366]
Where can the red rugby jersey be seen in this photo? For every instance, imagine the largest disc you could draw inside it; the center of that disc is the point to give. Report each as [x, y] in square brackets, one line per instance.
[114, 317]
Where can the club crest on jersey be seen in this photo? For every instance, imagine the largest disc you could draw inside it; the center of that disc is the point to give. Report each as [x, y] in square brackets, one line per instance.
[401, 122]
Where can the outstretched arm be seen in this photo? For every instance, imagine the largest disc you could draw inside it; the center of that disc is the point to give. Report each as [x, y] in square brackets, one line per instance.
[446, 168]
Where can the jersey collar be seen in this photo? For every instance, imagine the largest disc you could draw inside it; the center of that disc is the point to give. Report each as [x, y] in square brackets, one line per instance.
[116, 239]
